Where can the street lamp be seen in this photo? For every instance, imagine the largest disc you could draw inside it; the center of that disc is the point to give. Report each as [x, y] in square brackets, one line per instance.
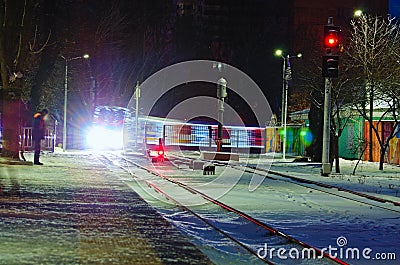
[286, 76]
[358, 13]
[85, 56]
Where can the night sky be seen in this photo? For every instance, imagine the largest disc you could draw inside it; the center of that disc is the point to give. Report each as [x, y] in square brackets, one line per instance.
[130, 40]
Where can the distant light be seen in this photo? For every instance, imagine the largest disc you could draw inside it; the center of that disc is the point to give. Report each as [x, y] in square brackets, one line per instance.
[278, 52]
[358, 13]
[299, 55]
[307, 136]
[85, 56]
[101, 138]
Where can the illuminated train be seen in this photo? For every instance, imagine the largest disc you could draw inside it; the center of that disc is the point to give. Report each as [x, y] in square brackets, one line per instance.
[178, 135]
[194, 136]
[106, 130]
[115, 128]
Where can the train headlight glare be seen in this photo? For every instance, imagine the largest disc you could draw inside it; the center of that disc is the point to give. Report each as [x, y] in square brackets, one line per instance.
[98, 137]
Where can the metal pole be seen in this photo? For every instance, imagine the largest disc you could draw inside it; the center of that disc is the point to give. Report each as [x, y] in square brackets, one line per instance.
[286, 86]
[286, 76]
[65, 105]
[220, 121]
[283, 89]
[221, 94]
[326, 165]
[220, 116]
[137, 95]
[85, 56]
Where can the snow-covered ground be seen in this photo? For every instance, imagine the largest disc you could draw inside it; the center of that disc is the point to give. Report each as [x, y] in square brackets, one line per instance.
[354, 231]
[367, 178]
[328, 221]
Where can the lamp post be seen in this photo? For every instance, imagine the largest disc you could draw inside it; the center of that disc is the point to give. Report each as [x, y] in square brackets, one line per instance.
[358, 13]
[137, 96]
[67, 60]
[286, 76]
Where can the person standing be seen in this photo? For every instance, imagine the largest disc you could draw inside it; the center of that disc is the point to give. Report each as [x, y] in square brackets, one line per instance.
[38, 131]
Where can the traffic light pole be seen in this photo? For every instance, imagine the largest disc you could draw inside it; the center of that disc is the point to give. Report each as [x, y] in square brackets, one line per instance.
[326, 165]
[330, 67]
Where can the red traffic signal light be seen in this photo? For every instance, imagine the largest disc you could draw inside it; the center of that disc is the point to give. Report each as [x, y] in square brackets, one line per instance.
[331, 37]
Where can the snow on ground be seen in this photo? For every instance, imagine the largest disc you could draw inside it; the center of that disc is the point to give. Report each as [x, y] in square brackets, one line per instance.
[367, 179]
[315, 217]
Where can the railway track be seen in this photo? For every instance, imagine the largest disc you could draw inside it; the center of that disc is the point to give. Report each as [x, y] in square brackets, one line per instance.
[300, 181]
[311, 184]
[323, 257]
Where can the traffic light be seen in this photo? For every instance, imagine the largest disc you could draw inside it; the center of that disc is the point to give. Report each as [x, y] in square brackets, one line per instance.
[331, 36]
[330, 66]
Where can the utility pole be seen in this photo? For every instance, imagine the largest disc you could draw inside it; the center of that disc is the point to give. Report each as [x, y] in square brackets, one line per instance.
[137, 96]
[64, 145]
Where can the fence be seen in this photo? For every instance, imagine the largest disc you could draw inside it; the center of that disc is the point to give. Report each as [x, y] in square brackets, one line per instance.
[27, 143]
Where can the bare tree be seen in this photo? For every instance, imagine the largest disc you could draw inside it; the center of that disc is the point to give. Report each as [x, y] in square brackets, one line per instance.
[132, 41]
[373, 50]
[19, 40]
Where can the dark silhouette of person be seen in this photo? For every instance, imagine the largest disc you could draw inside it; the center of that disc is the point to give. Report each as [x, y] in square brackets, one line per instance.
[38, 132]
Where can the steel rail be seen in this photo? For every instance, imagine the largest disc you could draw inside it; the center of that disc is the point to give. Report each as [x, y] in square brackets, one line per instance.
[259, 223]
